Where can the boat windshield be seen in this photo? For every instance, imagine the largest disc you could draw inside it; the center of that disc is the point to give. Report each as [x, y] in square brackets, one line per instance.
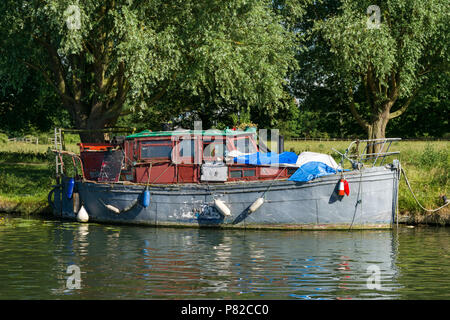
[244, 145]
[156, 149]
[214, 150]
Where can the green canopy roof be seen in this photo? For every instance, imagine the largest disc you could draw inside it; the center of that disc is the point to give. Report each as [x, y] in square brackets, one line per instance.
[210, 132]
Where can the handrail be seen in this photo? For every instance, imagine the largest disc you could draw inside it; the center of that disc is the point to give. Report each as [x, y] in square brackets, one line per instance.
[357, 157]
[73, 155]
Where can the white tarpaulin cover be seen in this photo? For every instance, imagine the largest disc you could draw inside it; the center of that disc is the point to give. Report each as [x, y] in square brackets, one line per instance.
[312, 165]
[305, 157]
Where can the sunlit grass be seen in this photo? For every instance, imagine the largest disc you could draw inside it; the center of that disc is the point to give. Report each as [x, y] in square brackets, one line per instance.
[31, 149]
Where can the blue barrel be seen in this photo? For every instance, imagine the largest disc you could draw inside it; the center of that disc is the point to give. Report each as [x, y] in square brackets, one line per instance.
[146, 198]
[70, 184]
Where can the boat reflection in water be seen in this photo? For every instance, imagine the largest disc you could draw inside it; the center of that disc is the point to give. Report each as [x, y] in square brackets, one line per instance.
[166, 263]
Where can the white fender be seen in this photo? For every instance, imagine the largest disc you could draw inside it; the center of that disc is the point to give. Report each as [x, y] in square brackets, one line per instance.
[82, 215]
[221, 206]
[112, 208]
[256, 205]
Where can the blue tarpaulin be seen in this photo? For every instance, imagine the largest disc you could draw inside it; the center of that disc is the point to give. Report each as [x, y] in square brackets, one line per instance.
[260, 158]
[311, 165]
[311, 170]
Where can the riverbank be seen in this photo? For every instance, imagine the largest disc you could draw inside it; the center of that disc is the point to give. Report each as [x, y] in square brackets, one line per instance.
[24, 188]
[26, 173]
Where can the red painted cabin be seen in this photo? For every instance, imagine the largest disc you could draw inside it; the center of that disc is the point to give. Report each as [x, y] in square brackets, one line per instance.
[173, 157]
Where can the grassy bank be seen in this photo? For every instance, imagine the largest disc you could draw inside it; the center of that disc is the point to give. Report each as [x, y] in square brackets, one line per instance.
[26, 173]
[24, 187]
[26, 177]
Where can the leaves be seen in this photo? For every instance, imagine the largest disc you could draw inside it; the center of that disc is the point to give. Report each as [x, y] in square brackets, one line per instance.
[383, 67]
[102, 56]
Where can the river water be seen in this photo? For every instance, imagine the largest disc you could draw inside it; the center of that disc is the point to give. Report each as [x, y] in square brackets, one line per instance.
[42, 259]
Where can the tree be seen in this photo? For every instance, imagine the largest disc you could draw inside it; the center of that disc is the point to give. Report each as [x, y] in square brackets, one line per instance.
[383, 64]
[108, 58]
[351, 66]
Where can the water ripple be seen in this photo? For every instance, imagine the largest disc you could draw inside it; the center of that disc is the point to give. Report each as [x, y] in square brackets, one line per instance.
[144, 263]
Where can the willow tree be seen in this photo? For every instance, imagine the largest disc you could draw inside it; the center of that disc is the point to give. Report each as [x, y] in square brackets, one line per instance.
[108, 58]
[383, 52]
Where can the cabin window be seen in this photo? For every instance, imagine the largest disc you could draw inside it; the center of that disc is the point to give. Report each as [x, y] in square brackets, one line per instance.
[250, 173]
[244, 145]
[187, 148]
[213, 150]
[156, 149]
[269, 171]
[242, 172]
[235, 174]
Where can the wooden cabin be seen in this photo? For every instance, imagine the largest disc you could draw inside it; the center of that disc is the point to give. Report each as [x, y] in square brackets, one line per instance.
[171, 157]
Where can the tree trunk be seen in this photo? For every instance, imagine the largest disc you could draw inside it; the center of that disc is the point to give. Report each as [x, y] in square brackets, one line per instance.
[92, 137]
[380, 98]
[377, 129]
[93, 120]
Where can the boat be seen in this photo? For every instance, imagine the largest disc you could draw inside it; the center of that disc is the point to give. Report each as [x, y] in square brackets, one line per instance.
[226, 179]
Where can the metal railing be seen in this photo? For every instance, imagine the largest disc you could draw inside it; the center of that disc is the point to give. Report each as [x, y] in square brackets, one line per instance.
[360, 152]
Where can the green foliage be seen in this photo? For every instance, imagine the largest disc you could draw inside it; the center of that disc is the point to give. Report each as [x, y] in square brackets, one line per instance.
[378, 71]
[431, 158]
[152, 58]
[71, 138]
[144, 63]
[410, 36]
[3, 138]
[429, 113]
[24, 188]
[30, 109]
[22, 156]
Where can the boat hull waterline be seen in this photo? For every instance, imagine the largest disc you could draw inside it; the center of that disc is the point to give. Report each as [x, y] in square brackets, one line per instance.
[287, 204]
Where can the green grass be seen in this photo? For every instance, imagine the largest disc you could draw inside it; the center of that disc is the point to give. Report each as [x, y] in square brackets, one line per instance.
[27, 171]
[24, 187]
[26, 176]
[31, 149]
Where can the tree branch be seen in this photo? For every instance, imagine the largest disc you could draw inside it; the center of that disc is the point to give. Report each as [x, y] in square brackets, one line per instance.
[405, 106]
[394, 90]
[355, 113]
[371, 83]
[56, 64]
[48, 80]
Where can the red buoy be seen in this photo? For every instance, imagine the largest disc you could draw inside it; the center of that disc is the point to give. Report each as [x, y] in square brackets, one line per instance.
[341, 187]
[346, 187]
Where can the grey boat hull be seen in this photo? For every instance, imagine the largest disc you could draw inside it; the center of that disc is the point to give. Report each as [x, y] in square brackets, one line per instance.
[288, 205]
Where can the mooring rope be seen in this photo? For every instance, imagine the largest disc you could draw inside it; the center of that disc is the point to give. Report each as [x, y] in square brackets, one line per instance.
[358, 201]
[415, 198]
